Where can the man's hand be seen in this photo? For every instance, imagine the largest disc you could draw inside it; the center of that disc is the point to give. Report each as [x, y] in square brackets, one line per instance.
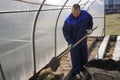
[70, 46]
[89, 31]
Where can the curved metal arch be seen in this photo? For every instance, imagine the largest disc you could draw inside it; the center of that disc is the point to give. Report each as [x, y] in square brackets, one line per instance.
[56, 27]
[79, 1]
[90, 5]
[30, 2]
[85, 4]
[24, 11]
[2, 73]
[103, 31]
[33, 36]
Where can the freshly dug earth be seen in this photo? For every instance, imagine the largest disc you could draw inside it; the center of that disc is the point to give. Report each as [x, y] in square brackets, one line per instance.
[65, 63]
[107, 64]
[90, 40]
[62, 70]
[110, 49]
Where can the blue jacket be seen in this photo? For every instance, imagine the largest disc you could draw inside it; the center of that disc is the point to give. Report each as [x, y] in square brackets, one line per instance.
[75, 28]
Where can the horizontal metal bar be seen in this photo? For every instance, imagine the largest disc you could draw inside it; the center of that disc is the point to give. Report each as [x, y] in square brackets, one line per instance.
[24, 11]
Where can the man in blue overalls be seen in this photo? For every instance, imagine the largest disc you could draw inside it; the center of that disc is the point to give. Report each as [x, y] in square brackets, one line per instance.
[76, 25]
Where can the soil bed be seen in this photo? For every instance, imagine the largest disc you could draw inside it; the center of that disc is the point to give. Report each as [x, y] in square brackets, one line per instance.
[62, 70]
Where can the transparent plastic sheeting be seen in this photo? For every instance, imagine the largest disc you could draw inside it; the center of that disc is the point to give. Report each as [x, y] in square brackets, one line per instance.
[16, 29]
[18, 5]
[15, 45]
[1, 77]
[45, 44]
[97, 10]
[61, 43]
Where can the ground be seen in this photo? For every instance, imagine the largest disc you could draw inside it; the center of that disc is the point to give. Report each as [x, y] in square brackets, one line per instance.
[112, 23]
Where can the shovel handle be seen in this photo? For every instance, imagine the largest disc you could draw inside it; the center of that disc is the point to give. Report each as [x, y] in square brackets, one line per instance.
[82, 38]
[68, 49]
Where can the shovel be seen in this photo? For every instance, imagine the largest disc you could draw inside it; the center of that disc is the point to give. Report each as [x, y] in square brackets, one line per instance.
[55, 62]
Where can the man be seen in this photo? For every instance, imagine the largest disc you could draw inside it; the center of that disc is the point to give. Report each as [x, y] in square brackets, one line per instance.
[76, 25]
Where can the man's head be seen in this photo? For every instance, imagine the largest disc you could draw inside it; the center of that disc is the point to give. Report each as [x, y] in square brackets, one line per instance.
[76, 10]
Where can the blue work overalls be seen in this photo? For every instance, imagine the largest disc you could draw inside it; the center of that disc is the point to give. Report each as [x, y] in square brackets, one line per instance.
[73, 30]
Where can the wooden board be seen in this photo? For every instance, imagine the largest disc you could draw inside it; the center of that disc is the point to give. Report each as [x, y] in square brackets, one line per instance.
[102, 48]
[116, 54]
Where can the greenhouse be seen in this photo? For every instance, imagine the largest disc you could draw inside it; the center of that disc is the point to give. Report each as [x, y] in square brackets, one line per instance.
[31, 33]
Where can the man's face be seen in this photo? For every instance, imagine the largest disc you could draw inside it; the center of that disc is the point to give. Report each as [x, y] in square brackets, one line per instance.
[75, 13]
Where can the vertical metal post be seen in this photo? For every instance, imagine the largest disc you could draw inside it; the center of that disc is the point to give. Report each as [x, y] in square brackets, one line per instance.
[2, 73]
[33, 36]
[56, 28]
[104, 17]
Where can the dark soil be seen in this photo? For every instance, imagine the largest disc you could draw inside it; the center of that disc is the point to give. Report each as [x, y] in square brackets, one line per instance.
[110, 49]
[107, 64]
